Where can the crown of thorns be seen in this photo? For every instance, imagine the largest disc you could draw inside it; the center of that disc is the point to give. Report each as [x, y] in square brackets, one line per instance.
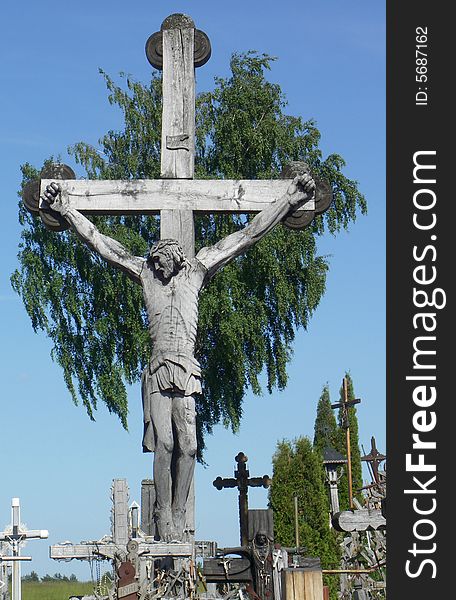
[168, 247]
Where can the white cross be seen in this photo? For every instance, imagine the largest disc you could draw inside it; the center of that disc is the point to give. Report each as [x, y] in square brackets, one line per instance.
[14, 538]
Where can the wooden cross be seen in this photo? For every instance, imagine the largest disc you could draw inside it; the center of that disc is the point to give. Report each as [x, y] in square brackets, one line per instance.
[176, 49]
[242, 481]
[374, 459]
[14, 538]
[345, 405]
[134, 551]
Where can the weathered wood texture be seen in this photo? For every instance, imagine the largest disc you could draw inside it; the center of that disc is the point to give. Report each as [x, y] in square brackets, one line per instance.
[260, 520]
[178, 121]
[107, 550]
[234, 570]
[119, 515]
[147, 507]
[190, 514]
[302, 584]
[150, 196]
[359, 520]
[179, 225]
[178, 127]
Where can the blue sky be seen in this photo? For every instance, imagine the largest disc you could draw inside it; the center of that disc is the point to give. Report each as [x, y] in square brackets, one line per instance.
[331, 66]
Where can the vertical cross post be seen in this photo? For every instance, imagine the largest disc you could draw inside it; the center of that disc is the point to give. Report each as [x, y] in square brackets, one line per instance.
[177, 49]
[242, 481]
[178, 124]
[345, 404]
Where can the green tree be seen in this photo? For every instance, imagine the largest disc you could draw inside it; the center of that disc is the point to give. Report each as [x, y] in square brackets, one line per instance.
[357, 478]
[33, 576]
[298, 471]
[249, 314]
[325, 428]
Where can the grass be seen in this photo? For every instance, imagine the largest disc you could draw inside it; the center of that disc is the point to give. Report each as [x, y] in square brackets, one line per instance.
[54, 590]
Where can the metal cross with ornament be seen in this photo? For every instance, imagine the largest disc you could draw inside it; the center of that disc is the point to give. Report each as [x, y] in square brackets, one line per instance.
[14, 536]
[242, 481]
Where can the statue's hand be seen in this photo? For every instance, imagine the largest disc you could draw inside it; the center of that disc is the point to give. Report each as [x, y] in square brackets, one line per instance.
[53, 197]
[303, 183]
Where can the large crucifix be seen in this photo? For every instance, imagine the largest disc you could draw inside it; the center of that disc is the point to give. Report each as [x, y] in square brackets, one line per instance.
[172, 276]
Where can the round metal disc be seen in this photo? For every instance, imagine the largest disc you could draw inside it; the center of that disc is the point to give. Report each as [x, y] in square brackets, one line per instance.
[31, 196]
[203, 50]
[52, 220]
[57, 171]
[299, 220]
[154, 50]
[132, 546]
[323, 196]
[293, 168]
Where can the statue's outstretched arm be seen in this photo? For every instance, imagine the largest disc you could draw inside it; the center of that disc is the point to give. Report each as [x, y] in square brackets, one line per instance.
[108, 248]
[217, 256]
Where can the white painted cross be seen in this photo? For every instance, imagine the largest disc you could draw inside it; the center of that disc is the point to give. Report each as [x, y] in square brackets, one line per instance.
[14, 536]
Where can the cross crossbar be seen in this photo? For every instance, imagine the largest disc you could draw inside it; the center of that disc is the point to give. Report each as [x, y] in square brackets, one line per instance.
[150, 196]
[107, 551]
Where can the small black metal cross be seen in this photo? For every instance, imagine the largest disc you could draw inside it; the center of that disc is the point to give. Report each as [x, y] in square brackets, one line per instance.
[242, 481]
[374, 458]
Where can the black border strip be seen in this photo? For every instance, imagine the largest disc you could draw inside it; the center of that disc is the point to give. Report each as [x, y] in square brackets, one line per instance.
[420, 128]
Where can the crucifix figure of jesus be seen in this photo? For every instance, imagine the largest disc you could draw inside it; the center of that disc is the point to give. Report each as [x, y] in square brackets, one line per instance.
[171, 283]
[171, 275]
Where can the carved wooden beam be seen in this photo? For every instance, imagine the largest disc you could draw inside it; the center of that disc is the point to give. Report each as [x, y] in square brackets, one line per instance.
[150, 196]
[359, 520]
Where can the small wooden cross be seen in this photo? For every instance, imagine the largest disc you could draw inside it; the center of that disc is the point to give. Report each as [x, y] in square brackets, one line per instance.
[345, 405]
[242, 481]
[374, 458]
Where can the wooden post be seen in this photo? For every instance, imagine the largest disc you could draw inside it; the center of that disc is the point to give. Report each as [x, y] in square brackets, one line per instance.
[349, 464]
[344, 405]
[302, 584]
[147, 506]
[178, 123]
[296, 521]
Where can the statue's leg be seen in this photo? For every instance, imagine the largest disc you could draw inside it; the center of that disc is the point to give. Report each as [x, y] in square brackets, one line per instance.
[160, 409]
[184, 419]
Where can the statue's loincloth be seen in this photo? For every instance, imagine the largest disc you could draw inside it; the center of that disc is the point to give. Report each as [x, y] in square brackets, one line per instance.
[171, 373]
